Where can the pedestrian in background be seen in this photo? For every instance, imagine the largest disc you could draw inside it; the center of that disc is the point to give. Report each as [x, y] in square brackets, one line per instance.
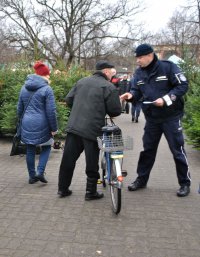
[135, 105]
[162, 85]
[123, 88]
[115, 80]
[36, 107]
[135, 110]
[90, 100]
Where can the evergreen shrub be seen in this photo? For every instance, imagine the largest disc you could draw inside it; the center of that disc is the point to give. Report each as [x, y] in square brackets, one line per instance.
[11, 83]
[191, 121]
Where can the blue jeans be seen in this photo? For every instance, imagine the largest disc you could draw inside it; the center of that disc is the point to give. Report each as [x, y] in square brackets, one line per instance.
[43, 158]
[135, 110]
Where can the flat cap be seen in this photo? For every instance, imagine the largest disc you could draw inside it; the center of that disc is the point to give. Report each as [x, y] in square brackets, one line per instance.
[143, 49]
[103, 64]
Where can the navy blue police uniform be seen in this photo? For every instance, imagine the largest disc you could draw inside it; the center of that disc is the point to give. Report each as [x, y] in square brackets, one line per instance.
[161, 79]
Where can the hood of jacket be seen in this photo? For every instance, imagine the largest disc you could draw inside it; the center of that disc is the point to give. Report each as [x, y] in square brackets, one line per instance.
[34, 82]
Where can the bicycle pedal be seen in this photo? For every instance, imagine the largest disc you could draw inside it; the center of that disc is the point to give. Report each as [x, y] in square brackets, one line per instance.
[99, 182]
[124, 173]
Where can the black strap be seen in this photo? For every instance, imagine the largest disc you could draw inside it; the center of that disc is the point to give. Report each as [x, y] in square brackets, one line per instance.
[32, 93]
[19, 123]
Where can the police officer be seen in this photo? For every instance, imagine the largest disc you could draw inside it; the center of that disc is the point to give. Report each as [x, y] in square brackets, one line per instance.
[162, 85]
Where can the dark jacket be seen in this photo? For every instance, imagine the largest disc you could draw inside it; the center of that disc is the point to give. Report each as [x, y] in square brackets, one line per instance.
[115, 81]
[123, 86]
[162, 78]
[91, 99]
[39, 118]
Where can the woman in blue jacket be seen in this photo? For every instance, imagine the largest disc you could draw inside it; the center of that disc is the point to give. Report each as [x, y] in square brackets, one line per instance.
[37, 109]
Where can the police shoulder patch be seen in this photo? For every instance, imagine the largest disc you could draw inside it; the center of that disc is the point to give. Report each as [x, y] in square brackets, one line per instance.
[173, 97]
[182, 77]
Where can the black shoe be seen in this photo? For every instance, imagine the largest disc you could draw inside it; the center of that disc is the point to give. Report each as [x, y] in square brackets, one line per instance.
[183, 191]
[33, 180]
[41, 178]
[137, 184]
[64, 193]
[133, 119]
[93, 196]
[136, 120]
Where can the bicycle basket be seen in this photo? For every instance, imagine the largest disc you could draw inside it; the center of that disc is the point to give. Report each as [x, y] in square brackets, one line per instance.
[114, 143]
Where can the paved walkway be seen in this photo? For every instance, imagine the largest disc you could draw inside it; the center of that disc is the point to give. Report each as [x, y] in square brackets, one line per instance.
[153, 222]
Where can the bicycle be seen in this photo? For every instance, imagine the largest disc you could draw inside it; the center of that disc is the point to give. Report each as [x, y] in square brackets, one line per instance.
[112, 145]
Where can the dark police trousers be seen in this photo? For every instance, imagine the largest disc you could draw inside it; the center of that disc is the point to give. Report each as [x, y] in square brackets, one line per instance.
[153, 131]
[74, 146]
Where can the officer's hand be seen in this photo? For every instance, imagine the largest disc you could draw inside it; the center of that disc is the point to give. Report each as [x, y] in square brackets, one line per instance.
[159, 102]
[126, 96]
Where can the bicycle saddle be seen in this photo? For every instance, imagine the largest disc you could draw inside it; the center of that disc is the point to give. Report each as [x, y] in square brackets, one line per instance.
[110, 128]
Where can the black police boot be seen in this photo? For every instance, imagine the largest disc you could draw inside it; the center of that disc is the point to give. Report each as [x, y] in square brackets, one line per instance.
[91, 190]
[184, 190]
[64, 193]
[137, 184]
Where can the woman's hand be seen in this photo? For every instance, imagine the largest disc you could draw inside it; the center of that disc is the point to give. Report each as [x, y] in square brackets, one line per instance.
[53, 133]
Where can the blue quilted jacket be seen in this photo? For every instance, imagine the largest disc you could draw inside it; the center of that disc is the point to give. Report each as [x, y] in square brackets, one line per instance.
[39, 119]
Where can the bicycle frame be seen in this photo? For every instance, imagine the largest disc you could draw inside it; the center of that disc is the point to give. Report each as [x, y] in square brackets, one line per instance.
[109, 157]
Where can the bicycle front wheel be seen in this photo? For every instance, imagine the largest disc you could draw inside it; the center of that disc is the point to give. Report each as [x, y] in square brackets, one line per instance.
[115, 186]
[103, 167]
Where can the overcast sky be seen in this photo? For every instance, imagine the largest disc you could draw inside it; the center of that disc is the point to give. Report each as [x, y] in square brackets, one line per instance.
[158, 12]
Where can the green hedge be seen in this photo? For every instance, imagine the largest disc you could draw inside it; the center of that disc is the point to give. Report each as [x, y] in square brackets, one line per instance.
[12, 81]
[10, 85]
[191, 119]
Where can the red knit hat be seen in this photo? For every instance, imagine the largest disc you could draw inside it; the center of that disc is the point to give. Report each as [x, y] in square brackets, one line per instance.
[41, 69]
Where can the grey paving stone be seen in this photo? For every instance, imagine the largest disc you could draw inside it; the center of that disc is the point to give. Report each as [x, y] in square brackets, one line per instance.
[153, 222]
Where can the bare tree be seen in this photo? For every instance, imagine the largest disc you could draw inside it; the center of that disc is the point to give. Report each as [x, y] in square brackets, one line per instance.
[7, 53]
[180, 35]
[62, 29]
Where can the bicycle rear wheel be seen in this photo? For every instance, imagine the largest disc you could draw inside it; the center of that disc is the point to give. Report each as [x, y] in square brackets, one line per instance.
[115, 186]
[103, 178]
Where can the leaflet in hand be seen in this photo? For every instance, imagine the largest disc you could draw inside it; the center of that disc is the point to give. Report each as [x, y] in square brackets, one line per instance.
[148, 102]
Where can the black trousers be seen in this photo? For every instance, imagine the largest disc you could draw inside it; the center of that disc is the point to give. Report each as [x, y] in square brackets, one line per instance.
[172, 131]
[74, 146]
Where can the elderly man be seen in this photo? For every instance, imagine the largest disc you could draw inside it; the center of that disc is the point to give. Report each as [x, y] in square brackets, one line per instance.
[162, 86]
[90, 100]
